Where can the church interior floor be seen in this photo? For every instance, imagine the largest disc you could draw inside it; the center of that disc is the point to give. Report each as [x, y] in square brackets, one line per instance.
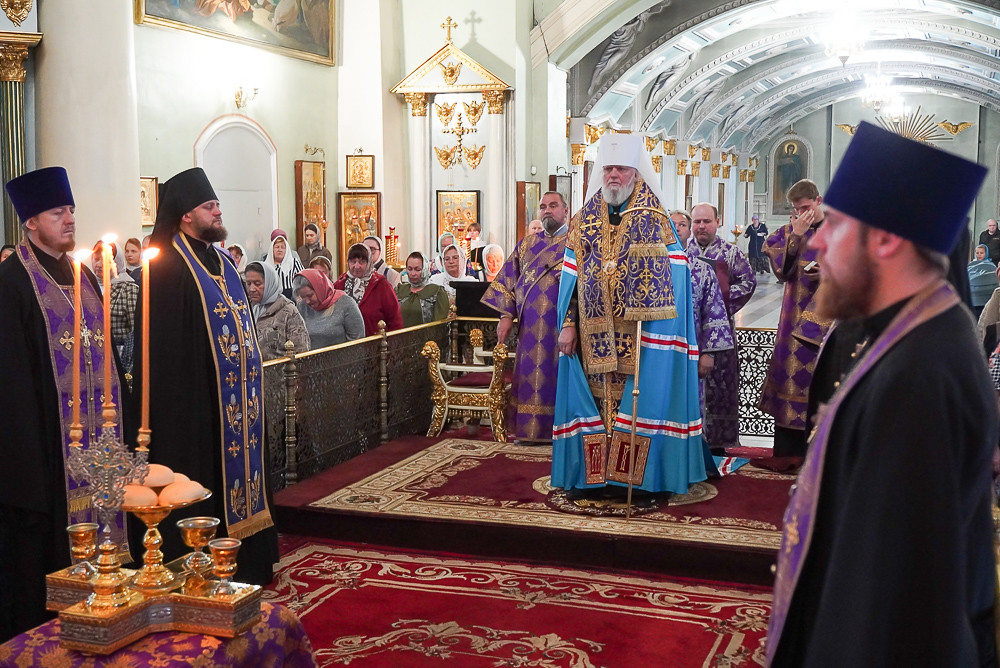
[764, 307]
[375, 607]
[478, 497]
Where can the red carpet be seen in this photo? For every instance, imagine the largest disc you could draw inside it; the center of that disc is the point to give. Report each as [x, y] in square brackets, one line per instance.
[377, 608]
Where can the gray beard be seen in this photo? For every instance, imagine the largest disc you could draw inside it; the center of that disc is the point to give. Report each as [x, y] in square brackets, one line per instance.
[550, 225]
[618, 196]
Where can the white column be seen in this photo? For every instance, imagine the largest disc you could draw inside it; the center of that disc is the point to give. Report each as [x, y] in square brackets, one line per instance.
[418, 233]
[86, 111]
[496, 223]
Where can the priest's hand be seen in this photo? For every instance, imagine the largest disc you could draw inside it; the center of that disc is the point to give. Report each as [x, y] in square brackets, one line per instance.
[801, 224]
[706, 362]
[567, 340]
[504, 327]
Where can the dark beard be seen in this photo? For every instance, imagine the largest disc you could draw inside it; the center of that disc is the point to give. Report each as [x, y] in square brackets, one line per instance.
[214, 234]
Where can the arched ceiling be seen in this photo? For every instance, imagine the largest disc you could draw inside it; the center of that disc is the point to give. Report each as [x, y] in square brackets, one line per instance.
[736, 74]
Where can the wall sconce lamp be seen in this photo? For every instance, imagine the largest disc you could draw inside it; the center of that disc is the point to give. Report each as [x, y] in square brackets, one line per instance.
[243, 99]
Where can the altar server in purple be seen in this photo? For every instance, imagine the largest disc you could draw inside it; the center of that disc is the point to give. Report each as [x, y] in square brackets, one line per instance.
[527, 288]
[737, 282]
[38, 497]
[800, 328]
[887, 555]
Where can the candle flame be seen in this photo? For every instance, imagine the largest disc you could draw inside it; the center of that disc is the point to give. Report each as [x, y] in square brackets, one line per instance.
[109, 238]
[150, 253]
[81, 255]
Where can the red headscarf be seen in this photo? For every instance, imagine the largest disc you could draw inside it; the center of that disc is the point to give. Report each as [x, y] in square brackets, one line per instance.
[323, 287]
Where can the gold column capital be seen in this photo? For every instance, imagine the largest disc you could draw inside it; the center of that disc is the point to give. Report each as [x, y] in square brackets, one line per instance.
[13, 51]
[657, 163]
[494, 100]
[715, 170]
[669, 147]
[682, 166]
[578, 151]
[695, 168]
[418, 103]
[725, 171]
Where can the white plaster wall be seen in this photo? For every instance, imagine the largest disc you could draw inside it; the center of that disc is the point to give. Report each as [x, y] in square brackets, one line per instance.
[185, 81]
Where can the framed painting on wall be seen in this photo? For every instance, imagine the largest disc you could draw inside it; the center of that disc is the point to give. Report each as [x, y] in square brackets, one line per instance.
[310, 198]
[361, 171]
[285, 28]
[562, 184]
[791, 164]
[360, 216]
[148, 199]
[456, 209]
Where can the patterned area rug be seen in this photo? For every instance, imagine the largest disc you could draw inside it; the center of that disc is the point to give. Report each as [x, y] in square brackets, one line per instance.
[371, 608]
[501, 483]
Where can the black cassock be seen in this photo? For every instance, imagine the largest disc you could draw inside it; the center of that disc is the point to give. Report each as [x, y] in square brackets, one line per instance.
[33, 518]
[900, 571]
[184, 402]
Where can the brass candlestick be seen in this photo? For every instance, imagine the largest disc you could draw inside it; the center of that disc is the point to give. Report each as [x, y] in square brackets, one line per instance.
[154, 577]
[224, 552]
[83, 548]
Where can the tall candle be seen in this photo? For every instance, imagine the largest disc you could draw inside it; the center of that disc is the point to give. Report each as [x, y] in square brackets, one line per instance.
[75, 428]
[106, 260]
[144, 431]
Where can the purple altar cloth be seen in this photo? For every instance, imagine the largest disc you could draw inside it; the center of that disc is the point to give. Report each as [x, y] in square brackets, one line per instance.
[277, 640]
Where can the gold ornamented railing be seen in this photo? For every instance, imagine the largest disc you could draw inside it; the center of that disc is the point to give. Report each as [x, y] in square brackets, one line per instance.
[329, 405]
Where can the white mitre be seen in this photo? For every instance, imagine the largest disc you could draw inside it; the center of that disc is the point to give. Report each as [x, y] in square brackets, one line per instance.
[626, 150]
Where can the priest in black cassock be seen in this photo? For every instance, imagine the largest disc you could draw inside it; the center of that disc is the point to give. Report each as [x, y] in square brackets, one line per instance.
[38, 499]
[206, 400]
[887, 553]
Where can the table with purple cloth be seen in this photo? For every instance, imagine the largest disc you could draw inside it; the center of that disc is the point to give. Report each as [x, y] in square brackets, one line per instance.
[277, 640]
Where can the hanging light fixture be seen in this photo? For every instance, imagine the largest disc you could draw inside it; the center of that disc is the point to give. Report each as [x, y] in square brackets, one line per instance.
[841, 35]
[878, 90]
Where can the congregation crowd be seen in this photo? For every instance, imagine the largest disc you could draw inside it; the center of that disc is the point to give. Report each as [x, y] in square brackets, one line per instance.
[625, 298]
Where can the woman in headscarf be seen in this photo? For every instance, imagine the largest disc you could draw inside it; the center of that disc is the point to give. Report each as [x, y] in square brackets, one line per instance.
[313, 247]
[454, 261]
[493, 259]
[420, 300]
[275, 315]
[239, 255]
[445, 240]
[124, 296]
[370, 291]
[322, 263]
[983, 286]
[283, 260]
[378, 261]
[330, 315]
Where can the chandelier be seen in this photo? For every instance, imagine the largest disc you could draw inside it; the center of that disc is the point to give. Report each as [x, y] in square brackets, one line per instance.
[878, 91]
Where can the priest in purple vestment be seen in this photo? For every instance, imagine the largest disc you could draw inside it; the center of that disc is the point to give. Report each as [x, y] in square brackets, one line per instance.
[527, 288]
[737, 282]
[801, 329]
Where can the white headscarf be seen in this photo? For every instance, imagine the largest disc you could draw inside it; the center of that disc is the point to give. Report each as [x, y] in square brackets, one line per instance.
[272, 287]
[290, 264]
[439, 260]
[626, 150]
[486, 251]
[241, 266]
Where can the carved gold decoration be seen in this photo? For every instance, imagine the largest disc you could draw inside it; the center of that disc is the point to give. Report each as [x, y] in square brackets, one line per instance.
[692, 151]
[418, 103]
[725, 171]
[592, 133]
[914, 125]
[743, 175]
[450, 72]
[446, 156]
[650, 144]
[695, 168]
[669, 147]
[715, 171]
[578, 151]
[473, 111]
[725, 157]
[955, 128]
[445, 112]
[494, 101]
[706, 154]
[473, 155]
[616, 131]
[657, 163]
[734, 159]
[750, 174]
[459, 131]
[682, 167]
[448, 25]
[12, 62]
[16, 10]
[849, 129]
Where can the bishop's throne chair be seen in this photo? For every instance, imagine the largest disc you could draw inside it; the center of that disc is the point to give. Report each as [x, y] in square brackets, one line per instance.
[469, 390]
